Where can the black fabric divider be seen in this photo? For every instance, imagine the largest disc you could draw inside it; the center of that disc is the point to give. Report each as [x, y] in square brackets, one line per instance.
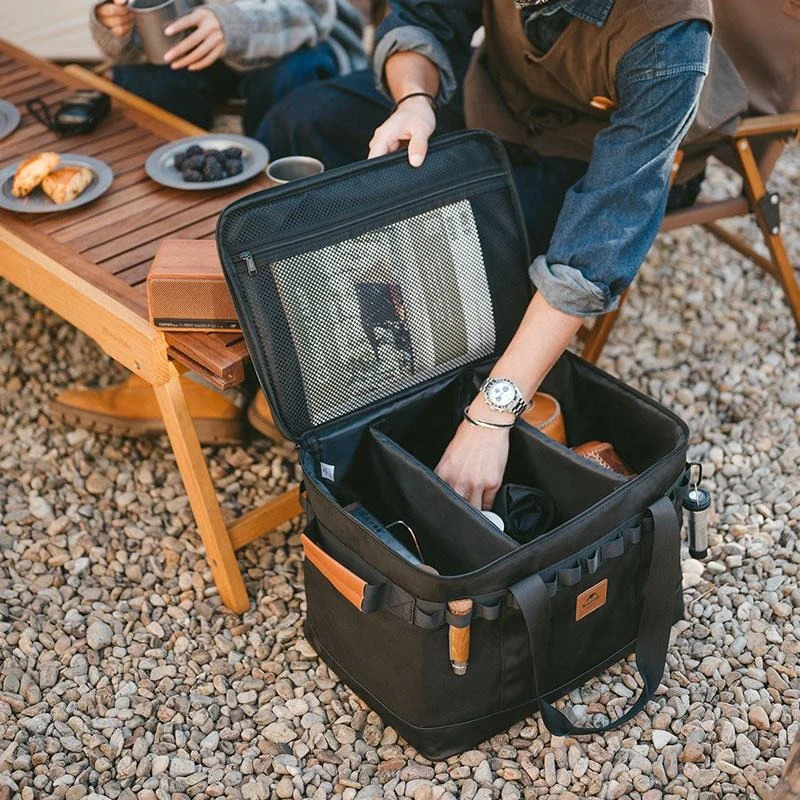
[596, 408]
[454, 537]
[572, 482]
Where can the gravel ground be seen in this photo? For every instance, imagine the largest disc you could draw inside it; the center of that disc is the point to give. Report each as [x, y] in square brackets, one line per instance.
[123, 677]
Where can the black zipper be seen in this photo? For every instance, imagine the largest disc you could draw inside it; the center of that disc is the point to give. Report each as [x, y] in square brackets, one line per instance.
[248, 257]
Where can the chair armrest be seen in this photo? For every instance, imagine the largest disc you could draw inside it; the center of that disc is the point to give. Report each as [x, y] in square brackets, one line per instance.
[768, 125]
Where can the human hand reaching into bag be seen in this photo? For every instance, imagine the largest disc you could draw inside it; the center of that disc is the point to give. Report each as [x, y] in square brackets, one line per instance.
[116, 16]
[475, 460]
[202, 47]
[474, 463]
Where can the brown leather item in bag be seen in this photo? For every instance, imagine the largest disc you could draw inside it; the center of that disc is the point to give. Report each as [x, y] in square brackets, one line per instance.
[604, 454]
[545, 414]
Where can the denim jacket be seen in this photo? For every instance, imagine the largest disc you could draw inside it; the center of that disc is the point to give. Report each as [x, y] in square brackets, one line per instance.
[611, 216]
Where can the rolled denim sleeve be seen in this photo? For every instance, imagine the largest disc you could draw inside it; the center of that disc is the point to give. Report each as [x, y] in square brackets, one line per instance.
[611, 216]
[438, 29]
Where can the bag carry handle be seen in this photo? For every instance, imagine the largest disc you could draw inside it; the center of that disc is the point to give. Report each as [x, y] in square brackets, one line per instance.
[655, 621]
[364, 596]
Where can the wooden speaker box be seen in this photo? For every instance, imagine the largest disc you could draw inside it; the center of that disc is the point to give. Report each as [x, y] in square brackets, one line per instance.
[186, 289]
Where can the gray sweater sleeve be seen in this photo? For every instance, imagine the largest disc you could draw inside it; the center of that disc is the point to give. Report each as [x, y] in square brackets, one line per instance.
[259, 32]
[409, 38]
[119, 49]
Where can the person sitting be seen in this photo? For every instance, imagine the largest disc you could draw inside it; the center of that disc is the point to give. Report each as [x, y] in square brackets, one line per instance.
[251, 49]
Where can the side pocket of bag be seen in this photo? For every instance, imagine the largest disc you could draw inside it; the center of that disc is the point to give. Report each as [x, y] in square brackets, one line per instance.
[404, 666]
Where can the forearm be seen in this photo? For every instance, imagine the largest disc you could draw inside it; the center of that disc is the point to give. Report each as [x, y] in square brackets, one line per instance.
[437, 29]
[407, 73]
[541, 338]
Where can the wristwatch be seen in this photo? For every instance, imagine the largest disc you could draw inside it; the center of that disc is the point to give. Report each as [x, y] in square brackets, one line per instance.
[502, 394]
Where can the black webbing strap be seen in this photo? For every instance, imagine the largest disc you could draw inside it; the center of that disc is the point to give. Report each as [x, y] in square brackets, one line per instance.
[655, 622]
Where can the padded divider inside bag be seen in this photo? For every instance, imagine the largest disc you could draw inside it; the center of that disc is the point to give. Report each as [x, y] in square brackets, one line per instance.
[425, 425]
[572, 482]
[454, 537]
[596, 408]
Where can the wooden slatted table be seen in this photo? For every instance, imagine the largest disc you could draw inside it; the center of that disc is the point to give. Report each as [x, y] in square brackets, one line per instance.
[89, 266]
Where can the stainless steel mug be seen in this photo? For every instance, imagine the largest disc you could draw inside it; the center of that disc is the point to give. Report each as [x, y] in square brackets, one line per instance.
[293, 167]
[150, 18]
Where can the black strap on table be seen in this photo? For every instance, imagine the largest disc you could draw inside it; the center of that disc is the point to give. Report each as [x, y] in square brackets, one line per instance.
[655, 622]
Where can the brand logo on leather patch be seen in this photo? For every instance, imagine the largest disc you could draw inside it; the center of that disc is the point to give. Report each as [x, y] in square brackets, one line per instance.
[792, 8]
[592, 599]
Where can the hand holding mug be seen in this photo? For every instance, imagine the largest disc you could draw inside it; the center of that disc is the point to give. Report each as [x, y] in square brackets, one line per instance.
[116, 16]
[202, 47]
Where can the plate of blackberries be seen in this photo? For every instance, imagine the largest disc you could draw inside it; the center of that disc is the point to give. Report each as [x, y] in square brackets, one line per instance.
[207, 162]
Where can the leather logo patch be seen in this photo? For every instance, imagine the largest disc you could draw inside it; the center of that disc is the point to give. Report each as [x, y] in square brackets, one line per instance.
[792, 8]
[592, 599]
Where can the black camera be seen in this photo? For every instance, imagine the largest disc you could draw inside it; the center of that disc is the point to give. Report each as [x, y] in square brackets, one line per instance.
[81, 112]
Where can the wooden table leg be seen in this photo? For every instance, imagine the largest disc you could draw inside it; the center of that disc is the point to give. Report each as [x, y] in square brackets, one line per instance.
[207, 513]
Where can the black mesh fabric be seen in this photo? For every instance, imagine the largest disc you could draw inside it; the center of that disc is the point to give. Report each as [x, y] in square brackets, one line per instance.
[365, 281]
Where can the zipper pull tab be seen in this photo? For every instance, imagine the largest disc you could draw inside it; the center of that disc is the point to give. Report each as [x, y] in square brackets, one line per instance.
[248, 259]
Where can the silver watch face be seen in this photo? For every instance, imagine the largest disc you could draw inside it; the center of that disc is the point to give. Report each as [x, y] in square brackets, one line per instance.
[502, 393]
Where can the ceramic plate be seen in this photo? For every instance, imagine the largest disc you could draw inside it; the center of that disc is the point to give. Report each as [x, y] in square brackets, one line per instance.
[37, 202]
[9, 118]
[160, 164]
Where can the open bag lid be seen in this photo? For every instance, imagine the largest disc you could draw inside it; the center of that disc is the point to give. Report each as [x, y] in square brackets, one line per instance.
[359, 284]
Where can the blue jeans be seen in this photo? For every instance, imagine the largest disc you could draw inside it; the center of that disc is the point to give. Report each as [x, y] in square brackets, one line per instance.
[192, 95]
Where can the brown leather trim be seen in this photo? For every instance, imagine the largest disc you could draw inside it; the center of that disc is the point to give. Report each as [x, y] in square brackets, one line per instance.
[347, 583]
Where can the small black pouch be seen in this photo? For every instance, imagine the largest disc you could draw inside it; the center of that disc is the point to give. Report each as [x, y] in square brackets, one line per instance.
[526, 512]
[81, 112]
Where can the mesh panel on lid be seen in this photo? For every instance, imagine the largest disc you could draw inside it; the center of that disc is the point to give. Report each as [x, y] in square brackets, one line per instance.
[362, 282]
[391, 308]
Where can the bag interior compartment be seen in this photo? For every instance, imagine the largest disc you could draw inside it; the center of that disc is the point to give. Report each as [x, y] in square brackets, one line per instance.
[424, 427]
[387, 460]
[572, 482]
[597, 408]
[454, 537]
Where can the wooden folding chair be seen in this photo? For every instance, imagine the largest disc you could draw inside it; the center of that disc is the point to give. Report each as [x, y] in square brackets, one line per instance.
[762, 40]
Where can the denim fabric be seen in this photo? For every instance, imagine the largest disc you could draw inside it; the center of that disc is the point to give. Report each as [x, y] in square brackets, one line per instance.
[443, 31]
[192, 95]
[612, 214]
[334, 121]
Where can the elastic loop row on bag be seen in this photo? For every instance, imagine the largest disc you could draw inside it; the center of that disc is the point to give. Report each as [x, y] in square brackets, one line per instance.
[588, 565]
[430, 616]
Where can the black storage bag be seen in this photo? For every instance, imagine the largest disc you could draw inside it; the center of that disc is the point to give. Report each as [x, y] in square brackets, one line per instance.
[374, 299]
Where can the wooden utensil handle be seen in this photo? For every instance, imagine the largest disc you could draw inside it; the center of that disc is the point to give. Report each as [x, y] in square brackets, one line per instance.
[459, 637]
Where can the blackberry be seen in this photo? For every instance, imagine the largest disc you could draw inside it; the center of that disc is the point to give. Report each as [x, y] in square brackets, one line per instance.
[233, 166]
[232, 152]
[192, 176]
[193, 163]
[178, 160]
[194, 150]
[212, 169]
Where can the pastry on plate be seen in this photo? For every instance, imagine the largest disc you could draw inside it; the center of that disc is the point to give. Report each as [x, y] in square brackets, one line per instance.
[32, 171]
[65, 184]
